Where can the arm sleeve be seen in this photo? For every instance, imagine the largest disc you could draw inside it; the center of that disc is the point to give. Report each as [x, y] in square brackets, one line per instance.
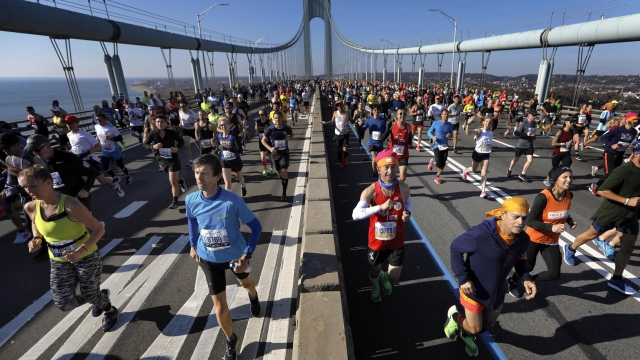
[118, 138]
[193, 231]
[463, 244]
[88, 171]
[408, 204]
[363, 210]
[256, 230]
[535, 213]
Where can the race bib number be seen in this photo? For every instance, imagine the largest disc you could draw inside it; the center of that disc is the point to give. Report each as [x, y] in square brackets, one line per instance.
[375, 135]
[555, 215]
[385, 231]
[61, 247]
[532, 131]
[582, 119]
[398, 149]
[108, 146]
[8, 191]
[566, 147]
[76, 150]
[57, 180]
[215, 240]
[228, 155]
[419, 118]
[205, 143]
[280, 144]
[165, 153]
[552, 115]
[443, 147]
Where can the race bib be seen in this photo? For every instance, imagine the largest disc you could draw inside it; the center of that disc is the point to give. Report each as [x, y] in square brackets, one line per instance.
[228, 155]
[165, 153]
[443, 147]
[532, 130]
[57, 180]
[280, 144]
[385, 231]
[375, 135]
[76, 150]
[552, 115]
[8, 191]
[555, 215]
[61, 247]
[205, 143]
[582, 119]
[215, 240]
[566, 147]
[398, 149]
[419, 118]
[108, 146]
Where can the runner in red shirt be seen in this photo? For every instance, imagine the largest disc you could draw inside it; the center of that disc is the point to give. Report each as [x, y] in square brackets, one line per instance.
[400, 141]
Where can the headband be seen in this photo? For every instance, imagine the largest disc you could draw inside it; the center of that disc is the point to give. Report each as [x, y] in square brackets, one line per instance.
[510, 205]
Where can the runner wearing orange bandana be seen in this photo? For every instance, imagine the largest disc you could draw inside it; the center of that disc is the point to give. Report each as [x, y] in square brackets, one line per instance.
[492, 249]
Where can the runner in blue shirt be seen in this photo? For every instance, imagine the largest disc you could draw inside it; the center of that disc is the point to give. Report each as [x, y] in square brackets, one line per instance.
[377, 126]
[215, 216]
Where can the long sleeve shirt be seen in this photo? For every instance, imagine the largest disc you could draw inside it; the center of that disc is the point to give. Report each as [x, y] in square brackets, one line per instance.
[620, 136]
[440, 130]
[170, 139]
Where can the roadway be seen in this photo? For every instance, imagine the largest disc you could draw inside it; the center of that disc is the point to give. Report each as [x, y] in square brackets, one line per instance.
[166, 311]
[576, 317]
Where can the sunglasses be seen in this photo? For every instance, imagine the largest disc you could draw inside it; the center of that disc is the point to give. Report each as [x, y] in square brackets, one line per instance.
[222, 125]
[262, 114]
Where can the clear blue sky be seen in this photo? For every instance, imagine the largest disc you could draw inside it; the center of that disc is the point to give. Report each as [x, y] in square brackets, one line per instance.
[362, 22]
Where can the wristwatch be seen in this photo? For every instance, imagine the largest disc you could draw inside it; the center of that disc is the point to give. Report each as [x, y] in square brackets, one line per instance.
[626, 202]
[247, 256]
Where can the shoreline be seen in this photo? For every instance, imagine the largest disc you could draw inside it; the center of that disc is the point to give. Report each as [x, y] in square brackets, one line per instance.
[142, 88]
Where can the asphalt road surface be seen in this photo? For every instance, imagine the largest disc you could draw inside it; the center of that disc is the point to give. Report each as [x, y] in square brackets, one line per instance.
[576, 317]
[166, 310]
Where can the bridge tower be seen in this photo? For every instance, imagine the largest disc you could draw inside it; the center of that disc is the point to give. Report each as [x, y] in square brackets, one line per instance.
[317, 9]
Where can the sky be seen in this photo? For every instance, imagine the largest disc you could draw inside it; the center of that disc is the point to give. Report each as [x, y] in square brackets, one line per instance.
[362, 22]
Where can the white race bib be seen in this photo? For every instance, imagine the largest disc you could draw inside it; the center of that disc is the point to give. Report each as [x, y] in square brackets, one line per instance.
[215, 240]
[582, 119]
[555, 215]
[228, 155]
[375, 135]
[566, 147]
[8, 191]
[443, 147]
[65, 245]
[385, 231]
[108, 146]
[205, 143]
[280, 144]
[57, 180]
[532, 130]
[398, 149]
[419, 118]
[165, 153]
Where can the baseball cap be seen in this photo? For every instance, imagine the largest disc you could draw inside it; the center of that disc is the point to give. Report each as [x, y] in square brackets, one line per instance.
[71, 119]
[29, 108]
[151, 107]
[7, 140]
[55, 108]
[614, 101]
[35, 142]
[533, 112]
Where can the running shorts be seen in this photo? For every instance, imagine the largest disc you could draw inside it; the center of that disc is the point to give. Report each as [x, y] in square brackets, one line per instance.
[479, 157]
[138, 129]
[456, 126]
[262, 147]
[306, 103]
[523, 151]
[403, 161]
[97, 167]
[631, 227]
[342, 141]
[578, 129]
[415, 126]
[600, 132]
[281, 161]
[394, 257]
[215, 275]
[470, 304]
[170, 165]
[376, 148]
[189, 132]
[441, 157]
[234, 165]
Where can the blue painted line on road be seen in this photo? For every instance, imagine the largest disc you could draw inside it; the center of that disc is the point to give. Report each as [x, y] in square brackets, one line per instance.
[486, 337]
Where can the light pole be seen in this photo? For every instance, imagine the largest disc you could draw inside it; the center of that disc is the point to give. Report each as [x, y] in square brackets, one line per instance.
[455, 30]
[200, 17]
[395, 58]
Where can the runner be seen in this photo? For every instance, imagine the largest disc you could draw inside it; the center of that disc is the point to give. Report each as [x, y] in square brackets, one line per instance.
[526, 133]
[205, 132]
[58, 116]
[481, 278]
[188, 119]
[108, 135]
[293, 108]
[454, 111]
[230, 154]
[262, 123]
[12, 194]
[561, 143]
[417, 111]
[38, 122]
[276, 108]
[305, 101]
[376, 125]
[165, 144]
[619, 210]
[219, 245]
[341, 119]
[85, 146]
[579, 129]
[440, 132]
[388, 204]
[545, 222]
[603, 126]
[468, 113]
[400, 140]
[278, 136]
[481, 154]
[435, 109]
[62, 222]
[549, 116]
[616, 142]
[135, 115]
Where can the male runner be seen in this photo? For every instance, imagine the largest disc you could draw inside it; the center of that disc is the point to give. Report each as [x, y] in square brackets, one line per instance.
[454, 111]
[108, 135]
[527, 133]
[376, 125]
[341, 119]
[262, 123]
[188, 119]
[418, 111]
[440, 132]
[279, 135]
[387, 204]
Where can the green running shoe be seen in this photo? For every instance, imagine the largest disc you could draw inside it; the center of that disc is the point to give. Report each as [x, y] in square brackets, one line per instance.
[386, 284]
[451, 325]
[375, 294]
[123, 145]
[469, 344]
[272, 172]
[264, 172]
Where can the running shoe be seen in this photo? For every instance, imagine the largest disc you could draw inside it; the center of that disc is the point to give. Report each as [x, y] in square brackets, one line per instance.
[569, 255]
[386, 284]
[578, 158]
[514, 288]
[255, 306]
[594, 189]
[508, 173]
[475, 137]
[469, 344]
[96, 311]
[483, 194]
[431, 163]
[547, 183]
[621, 286]
[375, 294]
[271, 171]
[341, 164]
[464, 174]
[160, 170]
[283, 198]
[110, 319]
[437, 180]
[594, 170]
[183, 185]
[581, 146]
[418, 148]
[129, 179]
[174, 205]
[230, 353]
[542, 133]
[119, 190]
[606, 248]
[585, 146]
[451, 325]
[523, 178]
[116, 180]
[22, 237]
[346, 161]
[455, 151]
[244, 190]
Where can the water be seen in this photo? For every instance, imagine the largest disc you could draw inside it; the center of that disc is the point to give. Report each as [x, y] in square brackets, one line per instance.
[18, 93]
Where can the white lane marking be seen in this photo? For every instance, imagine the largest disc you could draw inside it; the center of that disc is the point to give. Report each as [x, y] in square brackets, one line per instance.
[157, 273]
[511, 146]
[132, 146]
[130, 209]
[27, 314]
[279, 325]
[167, 345]
[211, 329]
[249, 348]
[115, 282]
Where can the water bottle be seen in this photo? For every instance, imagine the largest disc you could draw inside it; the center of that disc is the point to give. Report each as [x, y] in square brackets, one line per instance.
[234, 265]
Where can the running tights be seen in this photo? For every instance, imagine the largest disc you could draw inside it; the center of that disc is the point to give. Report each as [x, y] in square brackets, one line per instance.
[65, 277]
[285, 182]
[552, 258]
[106, 166]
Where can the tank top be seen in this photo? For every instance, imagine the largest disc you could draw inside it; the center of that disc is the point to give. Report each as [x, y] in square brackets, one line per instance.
[565, 137]
[229, 149]
[484, 142]
[342, 126]
[205, 135]
[262, 126]
[386, 229]
[556, 212]
[62, 234]
[419, 118]
[399, 141]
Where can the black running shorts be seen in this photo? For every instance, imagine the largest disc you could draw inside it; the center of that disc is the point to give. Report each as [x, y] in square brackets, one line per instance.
[215, 274]
[394, 257]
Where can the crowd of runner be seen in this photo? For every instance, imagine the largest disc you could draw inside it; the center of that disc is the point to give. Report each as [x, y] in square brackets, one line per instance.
[52, 184]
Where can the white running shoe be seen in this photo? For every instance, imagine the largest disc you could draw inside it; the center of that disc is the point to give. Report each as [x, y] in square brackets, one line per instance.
[119, 190]
[22, 237]
[594, 170]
